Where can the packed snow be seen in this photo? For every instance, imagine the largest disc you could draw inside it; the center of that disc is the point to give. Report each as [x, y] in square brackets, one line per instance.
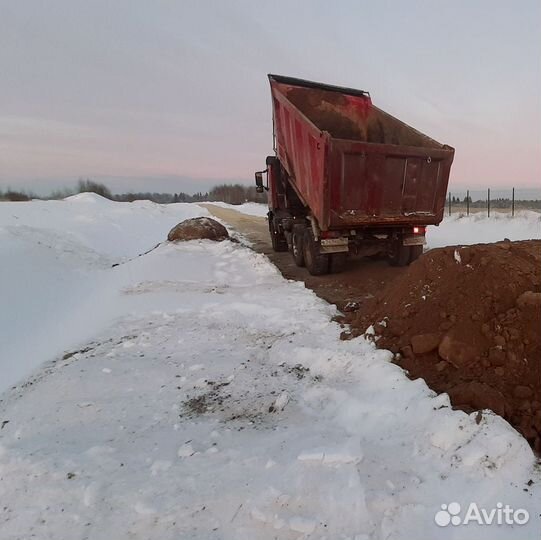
[216, 400]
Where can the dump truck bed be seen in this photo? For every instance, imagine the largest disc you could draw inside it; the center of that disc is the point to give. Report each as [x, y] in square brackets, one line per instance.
[352, 163]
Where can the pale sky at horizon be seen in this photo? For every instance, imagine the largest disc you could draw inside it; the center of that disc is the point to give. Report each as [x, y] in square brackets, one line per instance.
[174, 95]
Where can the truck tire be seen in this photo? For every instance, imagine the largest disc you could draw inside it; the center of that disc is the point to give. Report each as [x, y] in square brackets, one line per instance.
[278, 240]
[400, 255]
[416, 252]
[317, 263]
[297, 250]
[337, 262]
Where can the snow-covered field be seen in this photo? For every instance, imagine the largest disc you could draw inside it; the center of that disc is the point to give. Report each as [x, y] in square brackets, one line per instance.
[478, 228]
[249, 208]
[214, 399]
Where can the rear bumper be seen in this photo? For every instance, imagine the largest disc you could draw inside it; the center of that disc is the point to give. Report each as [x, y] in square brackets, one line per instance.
[351, 220]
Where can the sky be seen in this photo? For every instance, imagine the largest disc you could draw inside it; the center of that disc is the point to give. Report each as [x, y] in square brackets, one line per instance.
[173, 95]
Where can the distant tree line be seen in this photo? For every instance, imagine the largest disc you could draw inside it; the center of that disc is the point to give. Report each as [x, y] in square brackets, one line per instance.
[235, 194]
[229, 193]
[499, 202]
[13, 195]
[503, 202]
[457, 200]
[161, 198]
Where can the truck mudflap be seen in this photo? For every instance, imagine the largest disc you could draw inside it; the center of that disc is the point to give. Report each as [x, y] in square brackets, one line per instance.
[334, 245]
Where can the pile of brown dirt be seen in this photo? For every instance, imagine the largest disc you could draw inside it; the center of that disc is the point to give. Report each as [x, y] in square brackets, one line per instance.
[198, 228]
[468, 321]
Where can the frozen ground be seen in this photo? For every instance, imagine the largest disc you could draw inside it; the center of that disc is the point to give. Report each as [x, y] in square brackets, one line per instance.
[219, 402]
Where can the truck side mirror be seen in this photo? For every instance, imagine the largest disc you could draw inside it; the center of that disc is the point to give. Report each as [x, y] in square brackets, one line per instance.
[259, 182]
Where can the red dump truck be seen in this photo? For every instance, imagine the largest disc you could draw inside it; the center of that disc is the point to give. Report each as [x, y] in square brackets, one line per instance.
[348, 179]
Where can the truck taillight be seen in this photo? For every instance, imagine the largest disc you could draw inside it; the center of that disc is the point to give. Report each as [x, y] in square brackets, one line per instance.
[418, 230]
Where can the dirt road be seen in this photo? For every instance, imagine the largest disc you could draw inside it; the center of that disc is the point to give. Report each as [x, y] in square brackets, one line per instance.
[357, 283]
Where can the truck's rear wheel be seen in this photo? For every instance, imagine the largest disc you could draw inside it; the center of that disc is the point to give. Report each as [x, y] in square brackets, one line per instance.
[337, 262]
[416, 252]
[317, 263]
[297, 249]
[278, 240]
[400, 255]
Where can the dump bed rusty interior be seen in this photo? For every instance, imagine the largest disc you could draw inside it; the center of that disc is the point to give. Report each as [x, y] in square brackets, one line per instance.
[353, 164]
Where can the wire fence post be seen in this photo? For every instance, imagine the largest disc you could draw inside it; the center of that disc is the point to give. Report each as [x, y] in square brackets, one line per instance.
[513, 204]
[449, 203]
[488, 202]
[468, 202]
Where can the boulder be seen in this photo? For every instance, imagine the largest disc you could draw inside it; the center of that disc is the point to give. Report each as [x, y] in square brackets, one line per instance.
[456, 352]
[197, 229]
[424, 343]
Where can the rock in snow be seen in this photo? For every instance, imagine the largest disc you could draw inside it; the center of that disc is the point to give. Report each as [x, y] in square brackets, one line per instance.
[198, 228]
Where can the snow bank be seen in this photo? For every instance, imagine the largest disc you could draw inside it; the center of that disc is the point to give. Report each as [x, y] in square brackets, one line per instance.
[111, 230]
[88, 197]
[478, 228]
[55, 261]
[223, 404]
[249, 208]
